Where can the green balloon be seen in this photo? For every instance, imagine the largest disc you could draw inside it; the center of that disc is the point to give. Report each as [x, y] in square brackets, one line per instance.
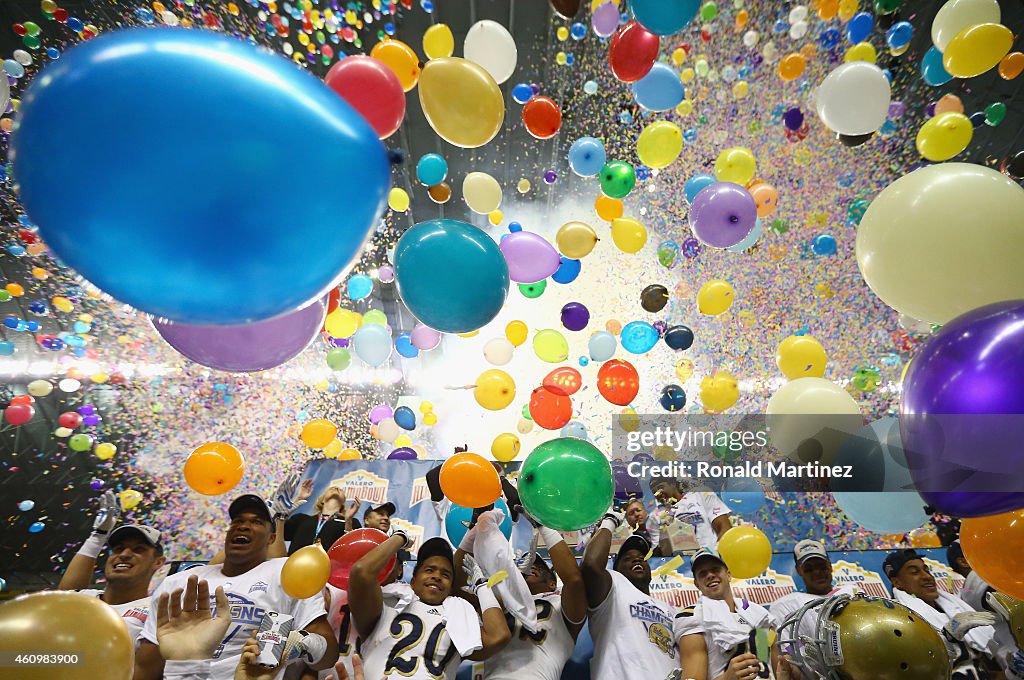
[533, 290]
[375, 316]
[617, 179]
[80, 442]
[887, 6]
[339, 358]
[566, 484]
[995, 113]
[708, 11]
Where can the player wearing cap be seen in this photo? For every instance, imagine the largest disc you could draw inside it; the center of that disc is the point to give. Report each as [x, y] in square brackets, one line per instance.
[253, 587]
[426, 636]
[704, 510]
[815, 568]
[632, 631]
[135, 555]
[718, 635]
[379, 517]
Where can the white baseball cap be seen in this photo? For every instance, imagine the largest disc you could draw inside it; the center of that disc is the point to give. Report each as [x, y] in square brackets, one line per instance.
[807, 548]
[148, 534]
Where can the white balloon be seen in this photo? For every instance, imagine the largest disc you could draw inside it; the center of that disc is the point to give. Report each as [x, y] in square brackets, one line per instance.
[854, 99]
[798, 14]
[956, 15]
[69, 385]
[798, 30]
[498, 351]
[770, 52]
[5, 93]
[524, 426]
[811, 409]
[490, 45]
[750, 38]
[388, 430]
[40, 388]
[62, 432]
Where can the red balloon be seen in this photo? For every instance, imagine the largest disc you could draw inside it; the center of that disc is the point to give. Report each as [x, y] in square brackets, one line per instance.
[26, 399]
[542, 117]
[632, 52]
[564, 380]
[70, 420]
[549, 409]
[348, 549]
[372, 89]
[19, 414]
[618, 382]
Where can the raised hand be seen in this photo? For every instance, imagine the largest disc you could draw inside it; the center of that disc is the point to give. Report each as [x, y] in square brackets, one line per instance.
[108, 514]
[185, 628]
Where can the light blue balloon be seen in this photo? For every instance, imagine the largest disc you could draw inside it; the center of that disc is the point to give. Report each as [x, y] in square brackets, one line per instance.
[660, 90]
[602, 346]
[404, 346]
[885, 512]
[587, 156]
[750, 240]
[638, 337]
[451, 275]
[575, 429]
[932, 70]
[431, 169]
[359, 287]
[221, 256]
[372, 344]
[664, 17]
[456, 522]
[743, 495]
[695, 184]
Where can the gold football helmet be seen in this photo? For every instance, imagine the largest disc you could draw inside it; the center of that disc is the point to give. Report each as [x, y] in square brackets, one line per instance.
[1012, 610]
[864, 638]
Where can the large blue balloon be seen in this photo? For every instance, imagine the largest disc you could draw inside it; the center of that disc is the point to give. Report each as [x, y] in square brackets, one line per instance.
[743, 495]
[147, 157]
[883, 512]
[456, 522]
[451, 275]
[664, 17]
[660, 90]
[587, 156]
[567, 271]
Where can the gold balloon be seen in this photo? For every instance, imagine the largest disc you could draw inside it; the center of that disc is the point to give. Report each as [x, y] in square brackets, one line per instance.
[305, 573]
[401, 59]
[63, 623]
[576, 239]
[976, 49]
[461, 101]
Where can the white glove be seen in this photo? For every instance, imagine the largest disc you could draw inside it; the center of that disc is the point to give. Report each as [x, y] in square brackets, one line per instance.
[475, 576]
[395, 531]
[612, 520]
[284, 498]
[468, 539]
[964, 622]
[108, 514]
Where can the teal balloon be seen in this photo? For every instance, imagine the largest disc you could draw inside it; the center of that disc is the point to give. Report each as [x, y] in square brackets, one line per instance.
[451, 275]
[405, 418]
[638, 337]
[359, 287]
[664, 17]
[932, 69]
[215, 117]
[566, 484]
[372, 344]
[431, 169]
[456, 522]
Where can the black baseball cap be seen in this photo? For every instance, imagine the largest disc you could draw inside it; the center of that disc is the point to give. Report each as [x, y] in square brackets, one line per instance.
[147, 534]
[894, 561]
[249, 503]
[435, 547]
[386, 508]
[634, 542]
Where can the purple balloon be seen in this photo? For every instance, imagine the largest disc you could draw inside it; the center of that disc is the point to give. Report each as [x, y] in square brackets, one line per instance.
[249, 347]
[380, 412]
[424, 337]
[529, 256]
[575, 316]
[86, 409]
[404, 453]
[386, 274]
[793, 118]
[627, 487]
[91, 421]
[723, 214]
[605, 19]
[969, 464]
[690, 247]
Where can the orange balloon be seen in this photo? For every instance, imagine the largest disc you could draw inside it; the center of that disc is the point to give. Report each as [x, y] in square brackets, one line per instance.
[214, 468]
[766, 197]
[401, 59]
[1011, 65]
[550, 408]
[994, 547]
[791, 66]
[440, 193]
[469, 480]
[608, 209]
[317, 434]
[349, 454]
[741, 18]
[827, 9]
[949, 102]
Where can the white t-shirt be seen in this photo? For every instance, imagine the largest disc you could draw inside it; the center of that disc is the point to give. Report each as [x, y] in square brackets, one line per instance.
[537, 656]
[718, 658]
[134, 613]
[697, 508]
[251, 595]
[413, 644]
[790, 604]
[632, 634]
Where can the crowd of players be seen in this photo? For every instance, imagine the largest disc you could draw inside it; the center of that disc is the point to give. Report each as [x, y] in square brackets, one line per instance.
[201, 623]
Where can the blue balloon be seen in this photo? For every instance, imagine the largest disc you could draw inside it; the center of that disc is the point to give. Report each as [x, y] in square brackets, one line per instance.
[404, 346]
[602, 346]
[219, 256]
[883, 512]
[6, 348]
[522, 93]
[899, 34]
[567, 271]
[876, 456]
[743, 495]
[574, 429]
[359, 287]
[859, 28]
[405, 418]
[664, 17]
[829, 38]
[751, 240]
[695, 184]
[660, 90]
[372, 344]
[431, 169]
[932, 70]
[679, 338]
[587, 156]
[451, 275]
[673, 398]
[36, 527]
[638, 337]
[824, 245]
[456, 522]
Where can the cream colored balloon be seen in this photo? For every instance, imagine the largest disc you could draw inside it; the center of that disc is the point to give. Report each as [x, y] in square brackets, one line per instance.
[576, 239]
[490, 45]
[40, 388]
[498, 351]
[524, 426]
[943, 240]
[956, 15]
[808, 419]
[482, 192]
[388, 430]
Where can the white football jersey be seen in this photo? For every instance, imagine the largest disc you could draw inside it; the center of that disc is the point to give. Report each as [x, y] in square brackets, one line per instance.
[413, 643]
[134, 613]
[697, 508]
[537, 656]
[340, 618]
[632, 635]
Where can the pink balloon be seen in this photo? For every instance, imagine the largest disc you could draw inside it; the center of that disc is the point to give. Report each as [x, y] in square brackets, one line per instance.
[424, 337]
[372, 89]
[605, 19]
[529, 256]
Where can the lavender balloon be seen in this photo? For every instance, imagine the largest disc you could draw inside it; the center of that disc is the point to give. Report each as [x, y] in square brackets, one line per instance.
[971, 463]
[380, 412]
[249, 347]
[605, 19]
[529, 256]
[723, 214]
[425, 338]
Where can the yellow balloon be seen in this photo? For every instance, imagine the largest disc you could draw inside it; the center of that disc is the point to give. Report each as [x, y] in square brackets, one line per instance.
[398, 200]
[746, 551]
[801, 356]
[847, 8]
[471, 334]
[342, 323]
[956, 15]
[523, 186]
[944, 136]
[575, 240]
[333, 450]
[516, 332]
[976, 49]
[684, 369]
[861, 52]
[105, 451]
[495, 389]
[482, 192]
[735, 165]
[495, 217]
[594, 4]
[318, 433]
[659, 144]
[350, 454]
[678, 56]
[629, 235]
[402, 440]
[438, 41]
[130, 498]
[685, 107]
[426, 407]
[714, 297]
[629, 421]
[549, 345]
[719, 391]
[306, 571]
[430, 419]
[461, 101]
[401, 59]
[505, 447]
